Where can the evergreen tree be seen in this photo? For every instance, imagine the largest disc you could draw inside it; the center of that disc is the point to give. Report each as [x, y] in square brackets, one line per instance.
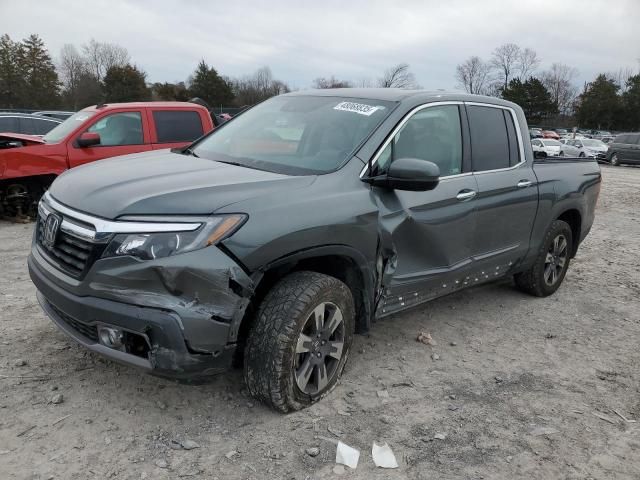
[12, 85]
[631, 104]
[599, 105]
[532, 96]
[206, 84]
[40, 77]
[125, 84]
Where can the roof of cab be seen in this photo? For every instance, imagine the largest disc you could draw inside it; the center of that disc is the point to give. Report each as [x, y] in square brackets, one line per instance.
[399, 95]
[109, 106]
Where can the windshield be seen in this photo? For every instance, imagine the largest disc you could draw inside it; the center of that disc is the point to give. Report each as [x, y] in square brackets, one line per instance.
[295, 135]
[592, 143]
[65, 128]
[551, 143]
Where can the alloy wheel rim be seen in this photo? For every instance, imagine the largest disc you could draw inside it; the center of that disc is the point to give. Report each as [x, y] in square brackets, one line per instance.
[555, 260]
[319, 349]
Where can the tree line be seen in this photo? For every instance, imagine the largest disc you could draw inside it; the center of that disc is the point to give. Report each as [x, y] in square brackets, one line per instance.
[611, 101]
[98, 72]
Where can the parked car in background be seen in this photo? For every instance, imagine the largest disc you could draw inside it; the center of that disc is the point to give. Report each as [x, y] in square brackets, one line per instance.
[550, 134]
[300, 222]
[561, 131]
[535, 133]
[547, 145]
[584, 147]
[624, 149]
[27, 124]
[59, 114]
[28, 163]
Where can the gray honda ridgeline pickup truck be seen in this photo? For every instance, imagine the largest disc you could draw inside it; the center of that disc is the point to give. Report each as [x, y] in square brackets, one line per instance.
[276, 237]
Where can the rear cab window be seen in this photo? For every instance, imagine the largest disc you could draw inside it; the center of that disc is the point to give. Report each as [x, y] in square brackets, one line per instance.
[177, 125]
[494, 141]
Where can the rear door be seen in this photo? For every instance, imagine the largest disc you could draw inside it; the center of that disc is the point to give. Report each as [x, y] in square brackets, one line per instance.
[634, 148]
[173, 128]
[507, 198]
[121, 133]
[429, 233]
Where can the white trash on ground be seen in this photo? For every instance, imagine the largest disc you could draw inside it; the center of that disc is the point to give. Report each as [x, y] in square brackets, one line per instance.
[383, 456]
[347, 455]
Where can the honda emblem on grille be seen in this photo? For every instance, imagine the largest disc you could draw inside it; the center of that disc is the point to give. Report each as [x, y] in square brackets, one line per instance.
[51, 227]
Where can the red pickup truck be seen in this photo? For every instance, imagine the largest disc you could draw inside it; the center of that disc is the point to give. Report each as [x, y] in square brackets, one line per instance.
[28, 164]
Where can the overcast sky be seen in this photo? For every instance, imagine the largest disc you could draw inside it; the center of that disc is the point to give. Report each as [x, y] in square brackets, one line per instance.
[301, 40]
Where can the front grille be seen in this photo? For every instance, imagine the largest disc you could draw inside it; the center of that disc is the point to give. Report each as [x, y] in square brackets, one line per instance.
[89, 331]
[71, 254]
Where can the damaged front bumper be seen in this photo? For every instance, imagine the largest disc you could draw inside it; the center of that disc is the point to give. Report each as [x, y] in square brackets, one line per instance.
[179, 315]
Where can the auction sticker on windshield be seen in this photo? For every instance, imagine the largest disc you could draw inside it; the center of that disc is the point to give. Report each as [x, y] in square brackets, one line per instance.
[359, 108]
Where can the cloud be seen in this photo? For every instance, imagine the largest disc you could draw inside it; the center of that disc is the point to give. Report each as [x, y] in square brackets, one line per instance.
[301, 40]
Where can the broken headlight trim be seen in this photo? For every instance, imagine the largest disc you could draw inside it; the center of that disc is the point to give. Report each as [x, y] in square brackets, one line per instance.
[149, 246]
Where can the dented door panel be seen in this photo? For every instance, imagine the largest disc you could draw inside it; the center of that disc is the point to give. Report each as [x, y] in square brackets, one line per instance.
[425, 241]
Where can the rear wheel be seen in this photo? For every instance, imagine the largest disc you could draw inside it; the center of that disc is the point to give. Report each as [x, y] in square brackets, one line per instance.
[300, 341]
[582, 155]
[615, 161]
[551, 264]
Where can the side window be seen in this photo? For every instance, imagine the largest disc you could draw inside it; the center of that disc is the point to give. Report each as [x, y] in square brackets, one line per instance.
[536, 143]
[26, 126]
[432, 134]
[177, 125]
[119, 129]
[9, 124]
[42, 127]
[489, 138]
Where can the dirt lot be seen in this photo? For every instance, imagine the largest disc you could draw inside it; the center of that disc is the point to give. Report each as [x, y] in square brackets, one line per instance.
[522, 388]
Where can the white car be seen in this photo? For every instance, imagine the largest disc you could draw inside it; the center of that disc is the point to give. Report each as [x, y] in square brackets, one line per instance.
[547, 145]
[584, 147]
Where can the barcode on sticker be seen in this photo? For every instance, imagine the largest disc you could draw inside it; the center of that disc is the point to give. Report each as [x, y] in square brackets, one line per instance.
[360, 108]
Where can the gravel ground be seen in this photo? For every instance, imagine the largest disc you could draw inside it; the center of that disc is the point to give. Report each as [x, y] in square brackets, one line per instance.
[516, 387]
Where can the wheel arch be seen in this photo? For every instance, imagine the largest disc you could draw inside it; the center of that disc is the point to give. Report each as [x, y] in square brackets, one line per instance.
[339, 261]
[573, 217]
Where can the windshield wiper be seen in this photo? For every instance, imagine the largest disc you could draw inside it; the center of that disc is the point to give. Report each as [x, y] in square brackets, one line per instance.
[237, 164]
[188, 151]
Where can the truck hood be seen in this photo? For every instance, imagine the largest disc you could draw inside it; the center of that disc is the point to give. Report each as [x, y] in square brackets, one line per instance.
[164, 183]
[23, 139]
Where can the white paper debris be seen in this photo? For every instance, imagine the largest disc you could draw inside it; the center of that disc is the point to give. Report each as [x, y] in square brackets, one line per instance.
[347, 455]
[383, 456]
[359, 108]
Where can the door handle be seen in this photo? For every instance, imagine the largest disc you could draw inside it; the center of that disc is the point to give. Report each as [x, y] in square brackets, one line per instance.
[466, 195]
[524, 183]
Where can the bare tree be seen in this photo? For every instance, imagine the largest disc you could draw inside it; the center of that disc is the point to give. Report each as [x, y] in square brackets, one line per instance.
[473, 75]
[252, 89]
[505, 60]
[71, 68]
[621, 77]
[100, 57]
[331, 82]
[559, 81]
[527, 63]
[398, 76]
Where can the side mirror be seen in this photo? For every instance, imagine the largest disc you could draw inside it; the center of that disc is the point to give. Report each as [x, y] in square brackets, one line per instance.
[88, 139]
[410, 174]
[539, 154]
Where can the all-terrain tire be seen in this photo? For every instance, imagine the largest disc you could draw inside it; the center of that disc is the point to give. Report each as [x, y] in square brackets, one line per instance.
[533, 281]
[270, 354]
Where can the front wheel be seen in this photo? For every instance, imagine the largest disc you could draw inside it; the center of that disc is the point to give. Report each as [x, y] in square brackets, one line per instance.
[551, 264]
[582, 155]
[615, 161]
[300, 341]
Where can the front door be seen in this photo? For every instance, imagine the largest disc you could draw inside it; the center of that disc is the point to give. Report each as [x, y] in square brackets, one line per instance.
[507, 199]
[426, 237]
[121, 133]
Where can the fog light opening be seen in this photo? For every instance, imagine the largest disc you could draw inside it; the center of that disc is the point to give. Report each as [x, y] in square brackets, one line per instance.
[111, 337]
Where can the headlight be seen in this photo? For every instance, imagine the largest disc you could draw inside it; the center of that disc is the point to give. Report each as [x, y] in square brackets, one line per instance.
[148, 246]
